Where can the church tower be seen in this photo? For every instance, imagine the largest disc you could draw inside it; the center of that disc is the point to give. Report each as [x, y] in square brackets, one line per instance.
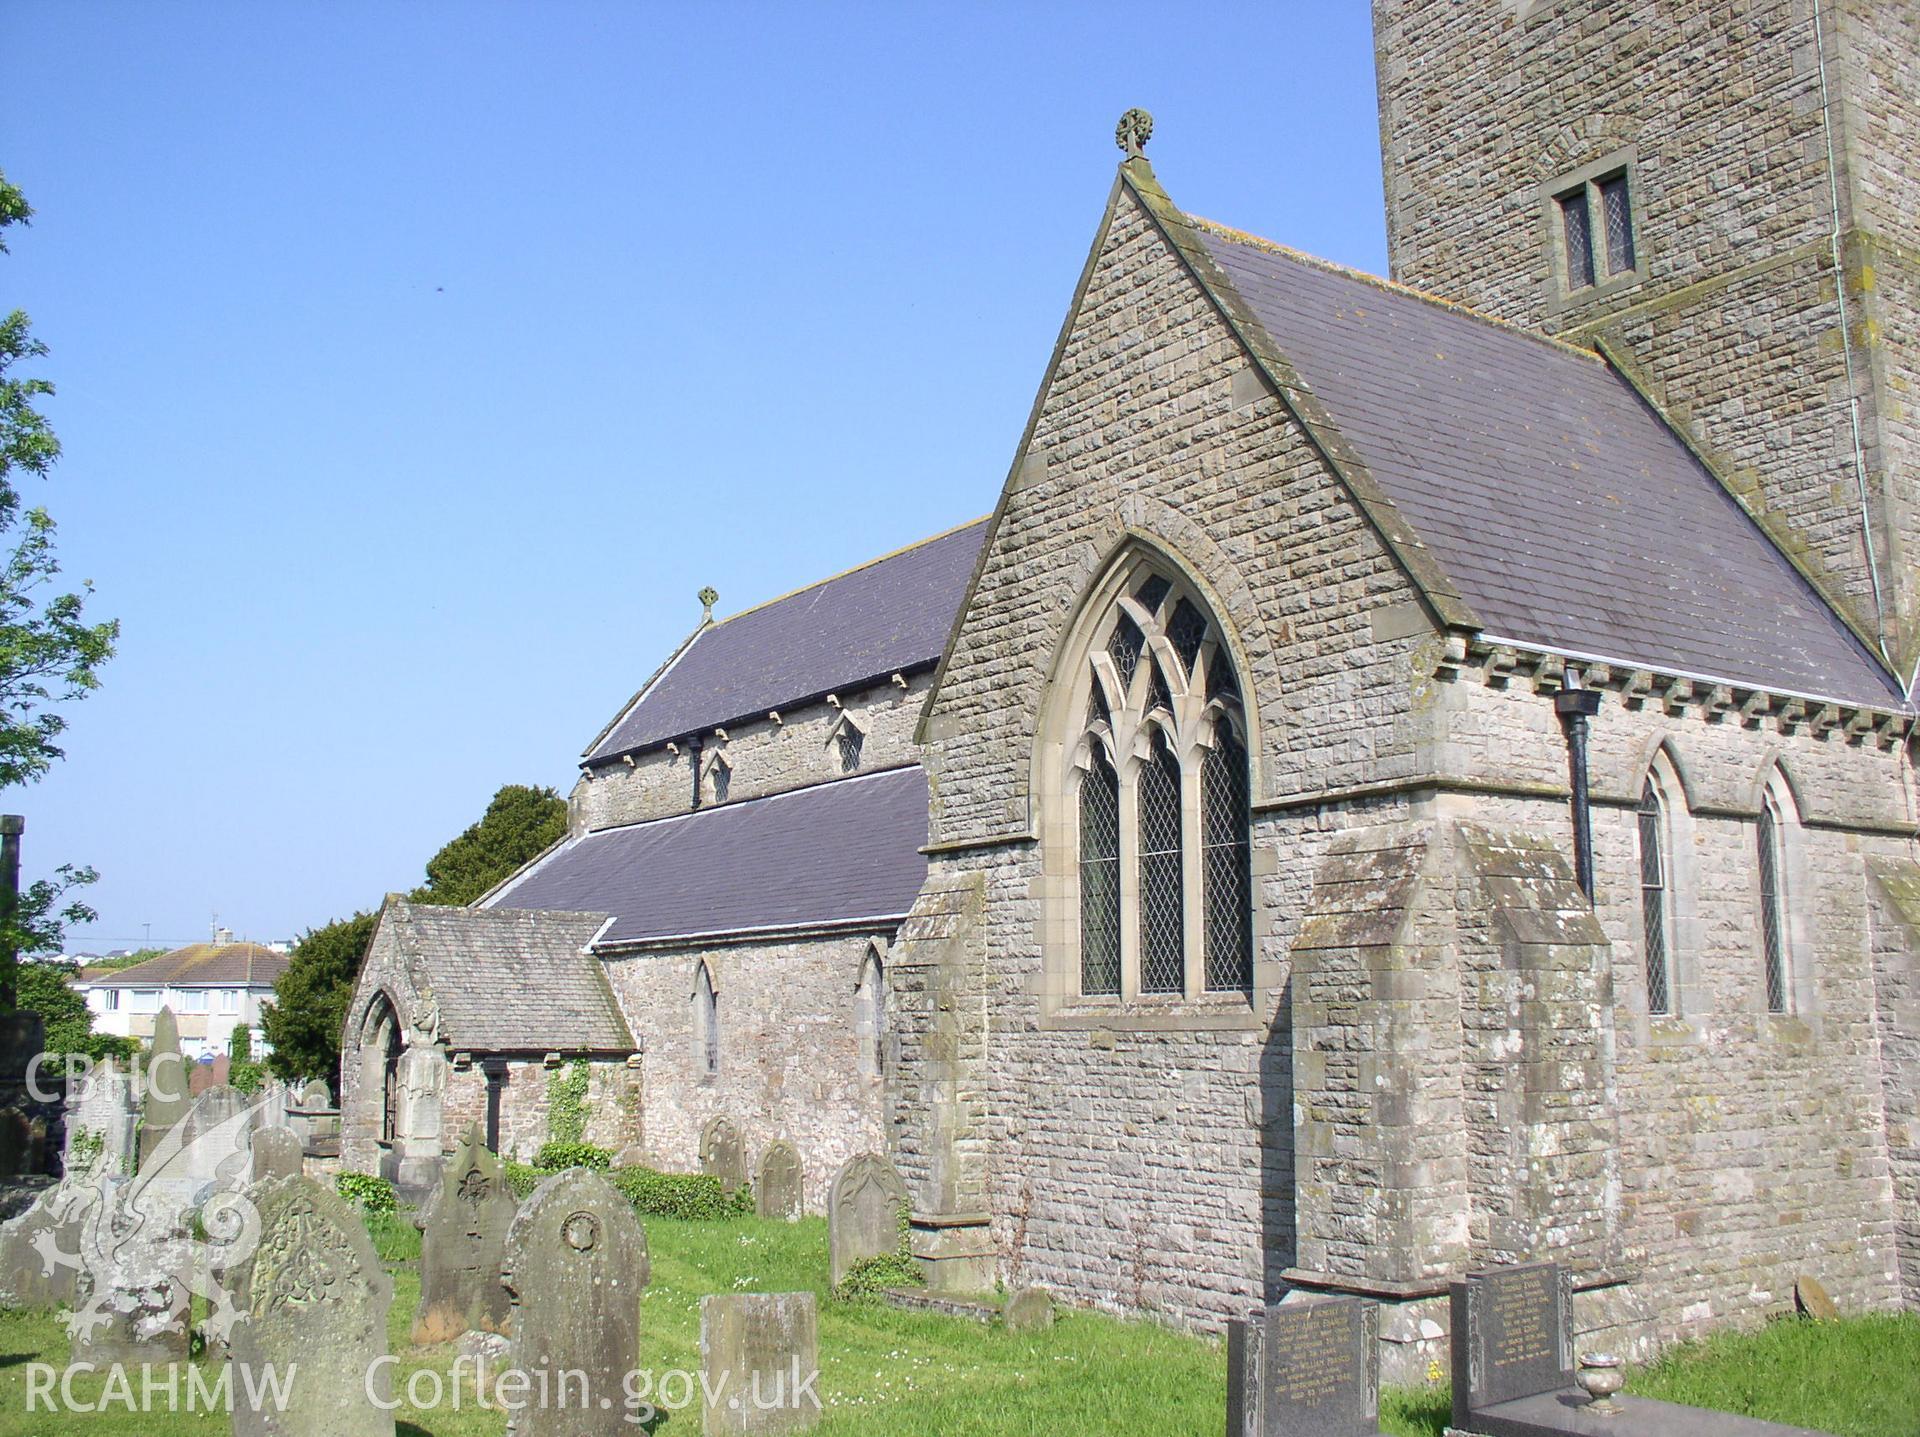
[1726, 200]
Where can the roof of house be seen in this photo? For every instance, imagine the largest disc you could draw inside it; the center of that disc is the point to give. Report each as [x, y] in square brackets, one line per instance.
[885, 617]
[1564, 511]
[198, 965]
[835, 853]
[511, 981]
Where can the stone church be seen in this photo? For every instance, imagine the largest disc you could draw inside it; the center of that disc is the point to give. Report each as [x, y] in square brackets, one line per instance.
[1412, 774]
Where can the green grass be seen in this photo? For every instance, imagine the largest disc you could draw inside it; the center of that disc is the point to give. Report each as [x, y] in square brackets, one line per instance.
[887, 1373]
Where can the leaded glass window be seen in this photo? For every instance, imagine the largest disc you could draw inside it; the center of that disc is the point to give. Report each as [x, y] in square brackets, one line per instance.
[1227, 855]
[1162, 925]
[848, 743]
[1653, 897]
[1100, 878]
[1617, 210]
[1578, 228]
[1162, 801]
[1772, 925]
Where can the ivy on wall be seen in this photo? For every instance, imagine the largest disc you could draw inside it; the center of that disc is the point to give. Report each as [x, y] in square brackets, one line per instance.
[567, 1104]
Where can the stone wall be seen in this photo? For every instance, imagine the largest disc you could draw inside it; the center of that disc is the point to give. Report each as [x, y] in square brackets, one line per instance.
[762, 757]
[789, 1054]
[1150, 1162]
[615, 1117]
[1896, 959]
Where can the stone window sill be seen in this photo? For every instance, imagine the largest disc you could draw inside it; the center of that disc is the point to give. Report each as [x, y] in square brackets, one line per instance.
[1212, 1012]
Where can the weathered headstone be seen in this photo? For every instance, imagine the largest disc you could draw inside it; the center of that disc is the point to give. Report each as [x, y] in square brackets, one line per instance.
[722, 1154]
[759, 1360]
[575, 1268]
[1027, 1309]
[210, 1074]
[276, 1154]
[31, 1272]
[130, 1304]
[165, 1075]
[1306, 1369]
[316, 1313]
[102, 1113]
[776, 1193]
[463, 1240]
[1810, 1298]
[865, 1209]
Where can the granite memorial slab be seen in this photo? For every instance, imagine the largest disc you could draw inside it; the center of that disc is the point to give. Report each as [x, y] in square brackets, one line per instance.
[1305, 1369]
[1515, 1373]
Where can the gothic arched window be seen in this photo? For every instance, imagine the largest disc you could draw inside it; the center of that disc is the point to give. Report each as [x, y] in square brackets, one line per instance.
[706, 1024]
[870, 1015]
[1655, 891]
[1159, 785]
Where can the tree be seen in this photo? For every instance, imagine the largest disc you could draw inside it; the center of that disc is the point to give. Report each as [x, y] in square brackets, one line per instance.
[49, 653]
[310, 1000]
[45, 988]
[519, 824]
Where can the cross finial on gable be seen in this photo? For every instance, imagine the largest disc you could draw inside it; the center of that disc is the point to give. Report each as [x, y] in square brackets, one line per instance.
[708, 597]
[1133, 132]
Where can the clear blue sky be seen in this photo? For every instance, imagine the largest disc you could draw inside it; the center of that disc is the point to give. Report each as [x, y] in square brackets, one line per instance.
[418, 363]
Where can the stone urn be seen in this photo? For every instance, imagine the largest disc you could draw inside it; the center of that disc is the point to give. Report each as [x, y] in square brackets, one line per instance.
[1600, 1375]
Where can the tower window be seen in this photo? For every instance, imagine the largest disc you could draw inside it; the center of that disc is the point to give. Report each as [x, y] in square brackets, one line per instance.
[847, 744]
[1591, 213]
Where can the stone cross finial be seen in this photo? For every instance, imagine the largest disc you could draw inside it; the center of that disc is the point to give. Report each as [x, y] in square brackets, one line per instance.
[1133, 132]
[708, 597]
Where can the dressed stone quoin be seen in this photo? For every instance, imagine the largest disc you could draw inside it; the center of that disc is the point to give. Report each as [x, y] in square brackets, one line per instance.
[1412, 776]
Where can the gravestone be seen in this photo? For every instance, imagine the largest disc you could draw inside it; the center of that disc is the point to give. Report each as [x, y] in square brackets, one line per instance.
[1305, 1369]
[276, 1154]
[759, 1359]
[1027, 1309]
[776, 1194]
[722, 1154]
[102, 1110]
[165, 1077]
[1512, 1336]
[316, 1311]
[1811, 1299]
[865, 1212]
[31, 1274]
[212, 1074]
[463, 1239]
[130, 1305]
[575, 1268]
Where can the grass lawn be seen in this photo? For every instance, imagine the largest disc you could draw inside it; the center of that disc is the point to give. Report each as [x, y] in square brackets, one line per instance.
[886, 1373]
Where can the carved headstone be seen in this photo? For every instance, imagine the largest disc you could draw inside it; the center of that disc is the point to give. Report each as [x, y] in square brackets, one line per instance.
[316, 1308]
[1027, 1309]
[576, 1267]
[759, 1357]
[776, 1194]
[102, 1112]
[463, 1240]
[165, 1075]
[865, 1211]
[31, 1273]
[1512, 1336]
[1305, 1369]
[276, 1154]
[722, 1154]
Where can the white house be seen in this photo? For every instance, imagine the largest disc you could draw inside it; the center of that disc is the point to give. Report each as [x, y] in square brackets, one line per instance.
[212, 989]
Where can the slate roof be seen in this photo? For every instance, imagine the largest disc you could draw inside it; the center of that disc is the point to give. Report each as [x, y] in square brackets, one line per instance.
[508, 981]
[1564, 510]
[198, 965]
[885, 617]
[835, 852]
